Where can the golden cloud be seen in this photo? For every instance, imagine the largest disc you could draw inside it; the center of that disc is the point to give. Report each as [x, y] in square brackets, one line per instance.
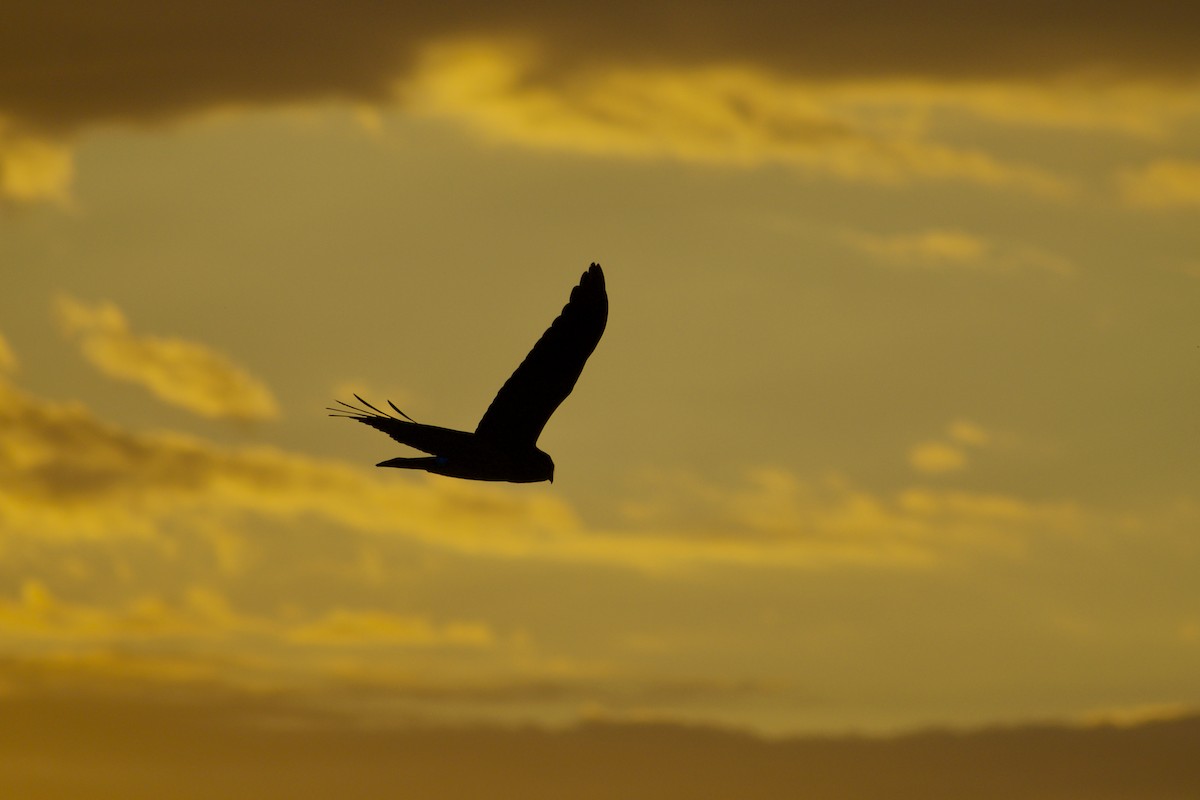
[775, 517]
[933, 247]
[944, 249]
[968, 432]
[751, 84]
[66, 66]
[354, 659]
[8, 359]
[1167, 183]
[182, 373]
[936, 457]
[38, 617]
[720, 115]
[939, 457]
[343, 626]
[33, 168]
[1139, 109]
[65, 474]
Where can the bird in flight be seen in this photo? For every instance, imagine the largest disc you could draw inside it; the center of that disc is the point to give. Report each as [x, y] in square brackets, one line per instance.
[504, 444]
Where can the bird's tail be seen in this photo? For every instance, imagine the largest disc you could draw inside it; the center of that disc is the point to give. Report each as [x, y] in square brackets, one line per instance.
[409, 463]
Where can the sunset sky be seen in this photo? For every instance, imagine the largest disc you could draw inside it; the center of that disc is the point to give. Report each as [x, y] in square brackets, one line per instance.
[894, 424]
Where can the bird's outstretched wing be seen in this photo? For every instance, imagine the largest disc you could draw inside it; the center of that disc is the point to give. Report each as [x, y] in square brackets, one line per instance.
[548, 374]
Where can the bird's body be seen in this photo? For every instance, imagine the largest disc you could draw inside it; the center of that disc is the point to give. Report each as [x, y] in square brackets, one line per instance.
[504, 444]
[458, 454]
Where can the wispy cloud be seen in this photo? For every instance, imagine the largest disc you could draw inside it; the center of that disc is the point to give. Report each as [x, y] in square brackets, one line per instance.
[586, 81]
[37, 617]
[939, 456]
[370, 661]
[936, 457]
[356, 627]
[931, 247]
[8, 359]
[1167, 183]
[1139, 109]
[967, 432]
[940, 248]
[210, 741]
[74, 486]
[879, 130]
[776, 517]
[64, 473]
[718, 115]
[34, 168]
[185, 374]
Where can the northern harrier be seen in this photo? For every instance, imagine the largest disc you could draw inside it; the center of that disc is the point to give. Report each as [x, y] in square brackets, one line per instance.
[504, 444]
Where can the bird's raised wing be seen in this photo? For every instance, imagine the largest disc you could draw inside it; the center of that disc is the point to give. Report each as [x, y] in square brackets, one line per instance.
[548, 374]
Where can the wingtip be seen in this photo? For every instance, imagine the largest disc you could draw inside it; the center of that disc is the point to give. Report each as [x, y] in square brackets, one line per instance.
[593, 275]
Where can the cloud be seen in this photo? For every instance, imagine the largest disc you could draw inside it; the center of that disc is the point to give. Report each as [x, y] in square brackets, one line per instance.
[369, 662]
[932, 247]
[309, 622]
[244, 745]
[1139, 716]
[1167, 183]
[68, 64]
[8, 359]
[343, 626]
[1135, 108]
[65, 474]
[185, 374]
[955, 249]
[751, 85]
[37, 615]
[733, 116]
[775, 517]
[936, 458]
[968, 432]
[38, 621]
[34, 169]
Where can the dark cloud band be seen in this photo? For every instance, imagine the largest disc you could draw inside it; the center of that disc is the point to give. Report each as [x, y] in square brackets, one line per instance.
[68, 63]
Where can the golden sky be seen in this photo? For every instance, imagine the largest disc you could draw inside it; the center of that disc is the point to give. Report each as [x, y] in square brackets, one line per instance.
[893, 425]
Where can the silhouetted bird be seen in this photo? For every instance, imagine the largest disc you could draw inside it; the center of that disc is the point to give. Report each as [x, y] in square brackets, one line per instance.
[504, 444]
